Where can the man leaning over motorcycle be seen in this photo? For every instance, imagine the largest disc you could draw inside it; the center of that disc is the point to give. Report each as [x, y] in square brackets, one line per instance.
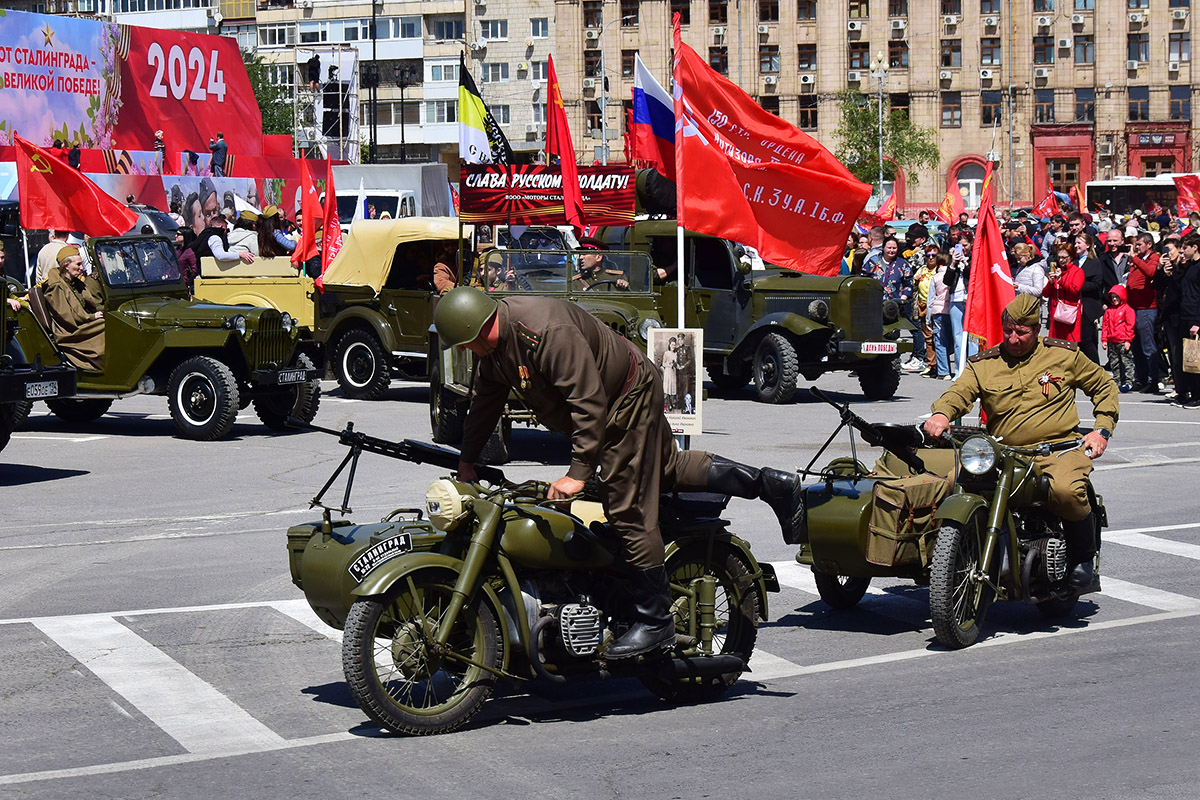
[1026, 387]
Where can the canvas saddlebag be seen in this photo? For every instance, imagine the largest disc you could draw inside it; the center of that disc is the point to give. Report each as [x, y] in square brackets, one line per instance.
[902, 530]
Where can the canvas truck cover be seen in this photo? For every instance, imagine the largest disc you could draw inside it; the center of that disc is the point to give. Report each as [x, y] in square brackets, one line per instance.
[366, 257]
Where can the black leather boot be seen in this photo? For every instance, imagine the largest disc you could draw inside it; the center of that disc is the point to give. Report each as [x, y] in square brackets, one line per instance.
[781, 491]
[1081, 551]
[654, 628]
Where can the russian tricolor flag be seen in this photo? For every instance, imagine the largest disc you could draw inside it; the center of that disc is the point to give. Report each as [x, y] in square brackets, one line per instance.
[653, 121]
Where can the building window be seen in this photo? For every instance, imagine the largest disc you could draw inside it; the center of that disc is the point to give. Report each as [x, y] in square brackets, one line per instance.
[951, 6]
[1157, 166]
[493, 29]
[410, 28]
[808, 112]
[769, 102]
[897, 54]
[495, 72]
[718, 59]
[1043, 49]
[859, 9]
[443, 72]
[989, 51]
[540, 27]
[1085, 105]
[539, 113]
[768, 58]
[1139, 47]
[860, 55]
[593, 13]
[1043, 105]
[630, 13]
[1179, 47]
[1139, 103]
[1063, 173]
[1043, 5]
[991, 108]
[898, 101]
[1085, 49]
[806, 10]
[592, 109]
[951, 52]
[897, 8]
[951, 109]
[768, 10]
[627, 63]
[1179, 3]
[684, 9]
[718, 12]
[1085, 5]
[439, 111]
[1181, 102]
[989, 6]
[806, 56]
[277, 35]
[314, 32]
[1139, 3]
[447, 28]
[591, 63]
[539, 70]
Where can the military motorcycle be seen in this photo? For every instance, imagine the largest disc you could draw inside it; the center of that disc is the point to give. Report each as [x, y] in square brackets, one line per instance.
[499, 583]
[965, 515]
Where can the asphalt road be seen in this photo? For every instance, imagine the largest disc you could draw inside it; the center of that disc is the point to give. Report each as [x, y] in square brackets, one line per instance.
[154, 645]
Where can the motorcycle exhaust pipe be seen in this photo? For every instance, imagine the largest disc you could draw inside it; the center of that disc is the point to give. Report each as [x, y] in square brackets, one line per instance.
[704, 666]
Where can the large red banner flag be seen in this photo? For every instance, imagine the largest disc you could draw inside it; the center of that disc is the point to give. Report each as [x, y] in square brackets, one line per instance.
[53, 195]
[1187, 188]
[331, 240]
[952, 206]
[747, 175]
[991, 286]
[1049, 205]
[558, 141]
[310, 210]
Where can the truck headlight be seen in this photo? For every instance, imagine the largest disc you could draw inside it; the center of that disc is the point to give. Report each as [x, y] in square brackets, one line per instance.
[978, 455]
[288, 322]
[648, 324]
[818, 311]
[238, 323]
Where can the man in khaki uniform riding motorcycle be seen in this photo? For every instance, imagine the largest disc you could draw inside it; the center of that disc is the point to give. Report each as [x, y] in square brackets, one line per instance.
[581, 378]
[1026, 387]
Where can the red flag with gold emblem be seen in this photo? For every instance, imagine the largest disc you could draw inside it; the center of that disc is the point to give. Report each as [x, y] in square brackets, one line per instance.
[952, 205]
[53, 195]
[1187, 188]
[558, 141]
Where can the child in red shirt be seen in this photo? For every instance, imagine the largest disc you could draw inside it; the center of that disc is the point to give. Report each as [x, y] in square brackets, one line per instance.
[1117, 332]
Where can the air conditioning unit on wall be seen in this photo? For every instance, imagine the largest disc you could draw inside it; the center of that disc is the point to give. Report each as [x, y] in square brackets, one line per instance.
[1104, 149]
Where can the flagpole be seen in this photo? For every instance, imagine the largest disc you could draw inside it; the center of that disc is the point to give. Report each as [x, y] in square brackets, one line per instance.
[677, 95]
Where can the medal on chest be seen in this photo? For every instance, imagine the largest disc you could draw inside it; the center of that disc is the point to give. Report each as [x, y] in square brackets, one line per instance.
[523, 374]
[1046, 380]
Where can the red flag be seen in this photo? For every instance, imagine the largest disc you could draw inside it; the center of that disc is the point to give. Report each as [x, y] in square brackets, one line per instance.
[991, 286]
[331, 241]
[883, 215]
[310, 209]
[1187, 188]
[558, 141]
[55, 196]
[1049, 205]
[1076, 197]
[745, 174]
[952, 205]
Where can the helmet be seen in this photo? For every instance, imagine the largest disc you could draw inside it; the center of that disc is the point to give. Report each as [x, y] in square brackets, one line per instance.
[461, 314]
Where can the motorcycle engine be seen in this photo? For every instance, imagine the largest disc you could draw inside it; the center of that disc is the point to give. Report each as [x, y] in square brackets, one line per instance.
[581, 626]
[1055, 559]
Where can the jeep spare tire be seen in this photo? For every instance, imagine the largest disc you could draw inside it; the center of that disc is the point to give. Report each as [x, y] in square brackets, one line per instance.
[299, 400]
[362, 367]
[203, 397]
[775, 369]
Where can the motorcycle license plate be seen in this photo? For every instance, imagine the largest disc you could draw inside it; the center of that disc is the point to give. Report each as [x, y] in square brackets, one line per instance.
[377, 554]
[292, 376]
[41, 389]
[884, 348]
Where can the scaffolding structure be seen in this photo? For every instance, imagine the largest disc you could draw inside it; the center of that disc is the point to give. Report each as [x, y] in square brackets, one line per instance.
[325, 103]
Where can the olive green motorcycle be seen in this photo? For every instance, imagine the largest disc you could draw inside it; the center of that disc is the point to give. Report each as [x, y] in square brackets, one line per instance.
[965, 515]
[491, 581]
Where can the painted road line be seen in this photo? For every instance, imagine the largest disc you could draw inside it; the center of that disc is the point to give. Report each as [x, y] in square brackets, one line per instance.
[302, 612]
[52, 438]
[1146, 596]
[1153, 543]
[880, 601]
[1159, 462]
[188, 709]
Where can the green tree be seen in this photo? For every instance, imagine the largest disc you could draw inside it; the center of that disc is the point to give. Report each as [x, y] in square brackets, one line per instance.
[905, 145]
[274, 100]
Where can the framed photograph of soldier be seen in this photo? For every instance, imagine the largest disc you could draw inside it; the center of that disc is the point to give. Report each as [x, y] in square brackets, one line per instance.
[678, 354]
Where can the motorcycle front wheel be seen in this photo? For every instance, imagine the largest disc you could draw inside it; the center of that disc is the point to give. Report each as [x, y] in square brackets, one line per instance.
[399, 675]
[959, 594]
[736, 608]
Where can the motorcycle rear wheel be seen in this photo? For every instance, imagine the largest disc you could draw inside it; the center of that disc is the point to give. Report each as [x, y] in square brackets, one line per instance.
[840, 591]
[396, 672]
[959, 598]
[736, 616]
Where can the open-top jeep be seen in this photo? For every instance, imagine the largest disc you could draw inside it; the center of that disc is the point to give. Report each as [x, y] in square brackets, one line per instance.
[22, 382]
[209, 360]
[771, 325]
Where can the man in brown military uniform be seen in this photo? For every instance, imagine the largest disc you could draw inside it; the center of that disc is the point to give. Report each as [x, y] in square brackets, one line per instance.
[582, 379]
[597, 271]
[1027, 386]
[75, 303]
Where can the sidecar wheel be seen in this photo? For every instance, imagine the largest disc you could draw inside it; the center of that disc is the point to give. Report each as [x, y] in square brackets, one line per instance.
[959, 597]
[840, 591]
[736, 612]
[397, 674]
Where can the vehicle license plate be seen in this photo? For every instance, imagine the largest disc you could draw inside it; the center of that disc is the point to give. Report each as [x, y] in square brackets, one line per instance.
[291, 376]
[878, 347]
[41, 389]
[376, 554]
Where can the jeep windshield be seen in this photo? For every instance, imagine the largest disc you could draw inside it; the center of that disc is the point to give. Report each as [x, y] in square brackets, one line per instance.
[137, 262]
[566, 271]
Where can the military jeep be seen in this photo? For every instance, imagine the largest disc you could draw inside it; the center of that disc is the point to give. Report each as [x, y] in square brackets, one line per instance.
[771, 325]
[209, 360]
[22, 382]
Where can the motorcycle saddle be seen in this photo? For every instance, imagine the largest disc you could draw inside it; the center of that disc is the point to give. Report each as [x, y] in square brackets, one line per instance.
[696, 505]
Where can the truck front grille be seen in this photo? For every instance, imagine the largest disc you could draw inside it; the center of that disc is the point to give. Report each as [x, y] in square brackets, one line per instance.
[270, 343]
[866, 314]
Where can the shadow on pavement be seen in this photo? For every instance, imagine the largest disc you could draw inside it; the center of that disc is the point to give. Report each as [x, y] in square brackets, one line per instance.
[23, 474]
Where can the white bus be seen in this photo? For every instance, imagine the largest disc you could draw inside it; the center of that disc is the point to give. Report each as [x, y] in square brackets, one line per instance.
[1124, 193]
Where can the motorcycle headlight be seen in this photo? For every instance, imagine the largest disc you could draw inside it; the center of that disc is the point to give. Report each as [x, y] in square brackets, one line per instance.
[445, 505]
[238, 323]
[978, 455]
[288, 322]
[648, 324]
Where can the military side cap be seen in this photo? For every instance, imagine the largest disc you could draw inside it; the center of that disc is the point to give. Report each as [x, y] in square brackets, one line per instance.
[248, 216]
[1025, 309]
[67, 251]
[271, 211]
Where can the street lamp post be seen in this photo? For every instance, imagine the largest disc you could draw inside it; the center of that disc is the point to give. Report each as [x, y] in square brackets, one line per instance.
[373, 85]
[879, 71]
[404, 79]
[604, 92]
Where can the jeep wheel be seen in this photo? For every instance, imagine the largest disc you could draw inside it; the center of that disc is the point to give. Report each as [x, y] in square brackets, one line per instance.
[300, 401]
[78, 411]
[8, 422]
[730, 381]
[775, 369]
[203, 398]
[362, 367]
[880, 379]
[446, 411]
[496, 449]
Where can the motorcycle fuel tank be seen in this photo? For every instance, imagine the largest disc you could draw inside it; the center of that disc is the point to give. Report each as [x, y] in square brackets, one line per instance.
[543, 538]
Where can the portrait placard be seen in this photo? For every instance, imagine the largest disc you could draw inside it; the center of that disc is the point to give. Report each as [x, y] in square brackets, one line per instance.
[679, 355]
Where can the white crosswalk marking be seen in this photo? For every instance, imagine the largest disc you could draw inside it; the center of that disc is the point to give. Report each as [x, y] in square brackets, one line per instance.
[1154, 543]
[879, 601]
[302, 612]
[186, 708]
[1146, 596]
